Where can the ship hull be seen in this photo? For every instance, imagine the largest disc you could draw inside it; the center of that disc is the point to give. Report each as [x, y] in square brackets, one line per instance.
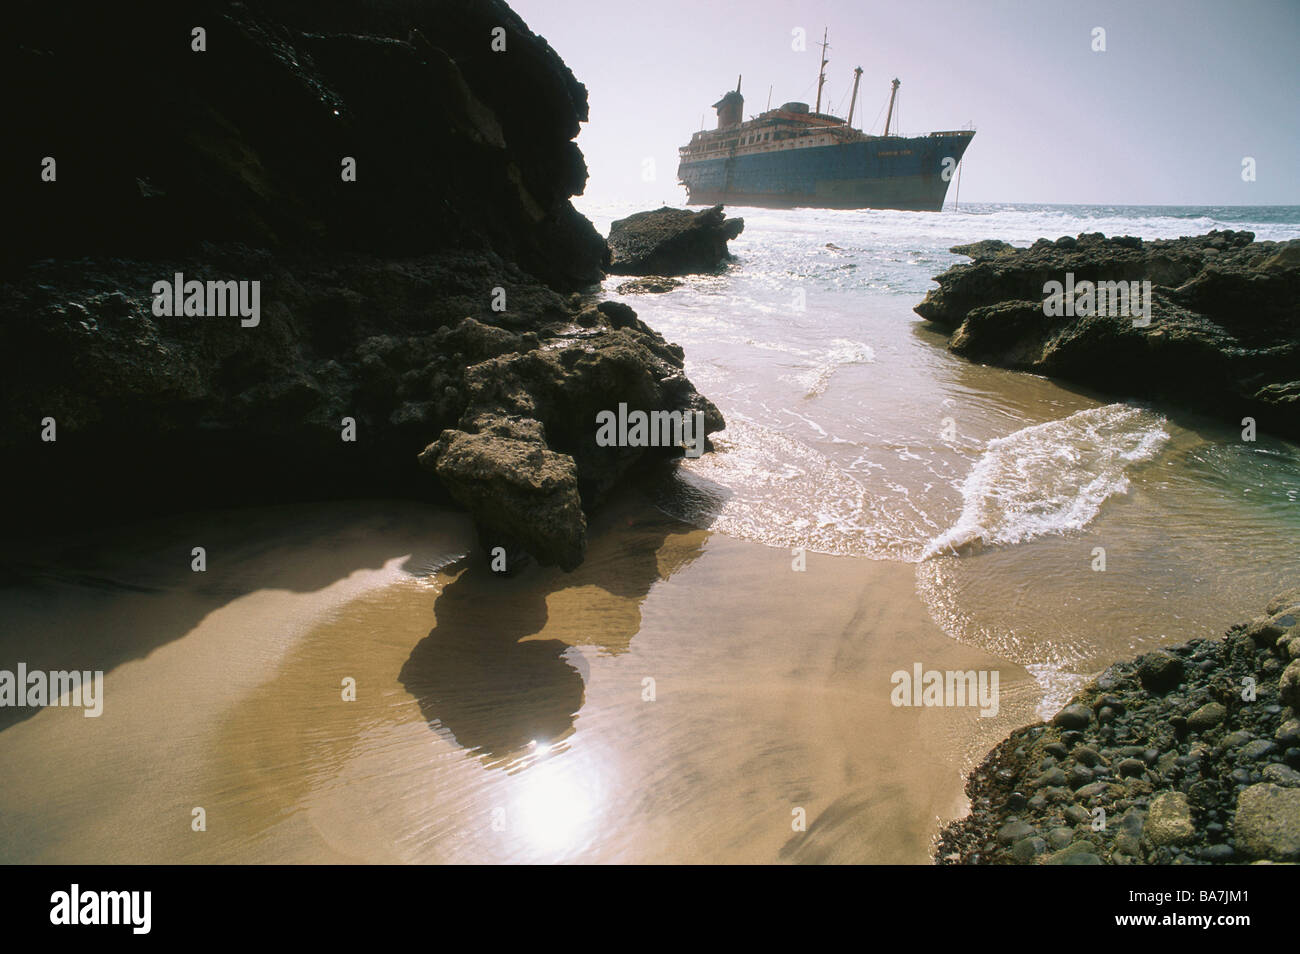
[891, 173]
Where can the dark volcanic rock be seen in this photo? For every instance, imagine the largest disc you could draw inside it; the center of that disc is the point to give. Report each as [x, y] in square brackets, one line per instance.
[652, 285]
[1218, 791]
[1224, 331]
[423, 302]
[455, 146]
[671, 241]
[523, 493]
[1160, 671]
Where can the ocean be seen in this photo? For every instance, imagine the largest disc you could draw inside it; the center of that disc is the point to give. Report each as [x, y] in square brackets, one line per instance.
[852, 431]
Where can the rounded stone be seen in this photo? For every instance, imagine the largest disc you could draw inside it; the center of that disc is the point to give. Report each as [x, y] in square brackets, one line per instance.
[1288, 685]
[1058, 838]
[1287, 599]
[1052, 777]
[1288, 733]
[1131, 768]
[1206, 717]
[1267, 823]
[1160, 671]
[1073, 717]
[1027, 849]
[1280, 774]
[1086, 755]
[1254, 751]
[1169, 820]
[1014, 831]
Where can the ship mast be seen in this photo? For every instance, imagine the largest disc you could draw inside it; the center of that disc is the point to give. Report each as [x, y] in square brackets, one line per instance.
[893, 93]
[821, 77]
[857, 78]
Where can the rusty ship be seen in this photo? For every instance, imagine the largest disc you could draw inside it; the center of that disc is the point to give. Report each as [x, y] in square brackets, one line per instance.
[793, 156]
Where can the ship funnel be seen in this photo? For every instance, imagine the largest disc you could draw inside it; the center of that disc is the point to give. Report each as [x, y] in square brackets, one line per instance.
[731, 109]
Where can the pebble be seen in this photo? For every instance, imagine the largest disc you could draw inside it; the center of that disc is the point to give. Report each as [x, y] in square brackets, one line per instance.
[1080, 776]
[1086, 756]
[1127, 844]
[1206, 717]
[1169, 820]
[1182, 772]
[1267, 823]
[1027, 849]
[1014, 831]
[1112, 702]
[1130, 768]
[1288, 733]
[1052, 777]
[1160, 671]
[1073, 717]
[1254, 751]
[1288, 685]
[1078, 814]
[1058, 838]
[1282, 775]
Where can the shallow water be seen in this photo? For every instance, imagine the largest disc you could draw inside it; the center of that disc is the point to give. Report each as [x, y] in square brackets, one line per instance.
[852, 431]
[683, 696]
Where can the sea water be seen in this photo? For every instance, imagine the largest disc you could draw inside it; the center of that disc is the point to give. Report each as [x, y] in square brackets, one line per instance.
[1058, 527]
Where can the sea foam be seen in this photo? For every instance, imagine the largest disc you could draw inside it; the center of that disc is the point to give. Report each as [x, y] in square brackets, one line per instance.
[1050, 478]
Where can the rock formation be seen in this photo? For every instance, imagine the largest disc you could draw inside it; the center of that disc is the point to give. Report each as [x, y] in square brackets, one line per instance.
[395, 175]
[1223, 335]
[672, 241]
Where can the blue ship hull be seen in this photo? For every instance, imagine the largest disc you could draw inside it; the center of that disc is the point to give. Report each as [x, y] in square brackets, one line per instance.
[884, 173]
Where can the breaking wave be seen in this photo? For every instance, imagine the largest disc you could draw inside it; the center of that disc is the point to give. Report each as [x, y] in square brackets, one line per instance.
[1050, 478]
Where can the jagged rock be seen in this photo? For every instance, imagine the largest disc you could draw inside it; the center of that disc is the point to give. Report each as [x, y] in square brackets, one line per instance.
[520, 492]
[455, 146]
[654, 285]
[419, 307]
[669, 241]
[1224, 331]
[988, 248]
[538, 460]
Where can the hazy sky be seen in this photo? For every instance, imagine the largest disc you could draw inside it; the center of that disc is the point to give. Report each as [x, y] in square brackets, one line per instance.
[1183, 92]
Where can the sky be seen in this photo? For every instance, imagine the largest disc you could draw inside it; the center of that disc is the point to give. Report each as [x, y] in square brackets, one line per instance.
[1184, 91]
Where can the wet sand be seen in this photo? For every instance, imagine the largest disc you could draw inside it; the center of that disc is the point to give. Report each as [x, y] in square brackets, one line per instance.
[496, 719]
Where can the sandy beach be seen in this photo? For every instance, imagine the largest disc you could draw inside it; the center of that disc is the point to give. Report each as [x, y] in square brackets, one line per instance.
[495, 718]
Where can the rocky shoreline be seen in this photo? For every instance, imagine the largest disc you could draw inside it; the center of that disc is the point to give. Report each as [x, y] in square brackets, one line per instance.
[390, 182]
[1185, 755]
[1219, 331]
